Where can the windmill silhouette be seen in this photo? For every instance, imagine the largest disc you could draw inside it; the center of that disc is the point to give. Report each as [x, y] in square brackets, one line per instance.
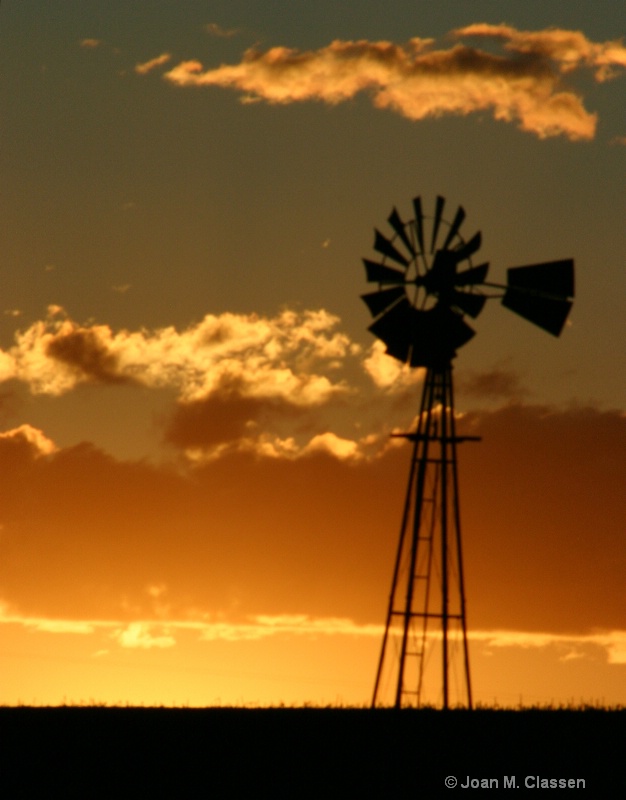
[427, 286]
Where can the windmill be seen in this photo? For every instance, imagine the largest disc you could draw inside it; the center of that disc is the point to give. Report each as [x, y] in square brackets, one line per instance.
[427, 286]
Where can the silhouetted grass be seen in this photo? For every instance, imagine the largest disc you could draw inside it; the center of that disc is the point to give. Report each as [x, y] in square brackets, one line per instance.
[303, 752]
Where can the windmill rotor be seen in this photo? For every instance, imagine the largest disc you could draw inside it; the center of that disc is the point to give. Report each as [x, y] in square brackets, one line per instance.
[427, 284]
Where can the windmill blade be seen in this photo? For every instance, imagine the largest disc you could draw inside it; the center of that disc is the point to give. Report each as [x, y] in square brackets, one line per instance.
[386, 248]
[473, 276]
[468, 302]
[419, 222]
[554, 278]
[457, 331]
[548, 313]
[398, 226]
[394, 327]
[454, 228]
[377, 302]
[379, 273]
[469, 248]
[437, 221]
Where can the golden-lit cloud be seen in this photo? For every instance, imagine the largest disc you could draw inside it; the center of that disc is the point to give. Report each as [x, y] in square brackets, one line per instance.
[568, 49]
[243, 382]
[522, 84]
[148, 634]
[612, 642]
[246, 354]
[29, 438]
[263, 626]
[147, 66]
[341, 448]
[389, 373]
[90, 44]
[139, 635]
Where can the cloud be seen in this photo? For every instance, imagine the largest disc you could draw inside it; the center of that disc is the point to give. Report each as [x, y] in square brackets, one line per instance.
[153, 63]
[523, 84]
[139, 635]
[498, 383]
[271, 446]
[28, 439]
[541, 504]
[273, 358]
[612, 642]
[223, 33]
[222, 418]
[85, 352]
[90, 44]
[544, 481]
[243, 382]
[341, 448]
[147, 634]
[262, 626]
[568, 49]
[389, 373]
[54, 355]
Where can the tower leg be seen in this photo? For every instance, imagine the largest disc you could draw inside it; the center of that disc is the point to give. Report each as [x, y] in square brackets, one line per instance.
[426, 610]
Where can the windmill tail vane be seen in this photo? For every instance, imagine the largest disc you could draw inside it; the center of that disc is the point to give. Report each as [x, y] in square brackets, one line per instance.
[427, 284]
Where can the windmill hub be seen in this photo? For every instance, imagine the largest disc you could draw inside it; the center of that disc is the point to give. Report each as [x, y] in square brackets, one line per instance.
[439, 280]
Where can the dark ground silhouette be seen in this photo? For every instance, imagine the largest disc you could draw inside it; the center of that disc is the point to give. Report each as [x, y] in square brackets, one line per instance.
[303, 752]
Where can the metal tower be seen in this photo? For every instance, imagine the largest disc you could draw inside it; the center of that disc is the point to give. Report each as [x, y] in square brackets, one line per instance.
[426, 610]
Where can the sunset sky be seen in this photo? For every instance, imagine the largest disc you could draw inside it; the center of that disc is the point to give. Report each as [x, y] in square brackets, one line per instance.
[200, 496]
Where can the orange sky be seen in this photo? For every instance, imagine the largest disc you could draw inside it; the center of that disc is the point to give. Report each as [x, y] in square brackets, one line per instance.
[201, 498]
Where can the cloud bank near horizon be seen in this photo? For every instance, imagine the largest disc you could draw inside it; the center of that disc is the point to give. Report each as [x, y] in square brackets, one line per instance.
[523, 83]
[145, 634]
[223, 536]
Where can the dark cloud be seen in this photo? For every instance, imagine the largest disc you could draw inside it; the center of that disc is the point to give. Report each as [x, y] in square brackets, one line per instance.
[9, 403]
[546, 516]
[83, 351]
[223, 418]
[543, 515]
[498, 383]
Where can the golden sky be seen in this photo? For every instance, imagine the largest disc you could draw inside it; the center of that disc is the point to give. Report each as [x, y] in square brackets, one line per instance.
[201, 499]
